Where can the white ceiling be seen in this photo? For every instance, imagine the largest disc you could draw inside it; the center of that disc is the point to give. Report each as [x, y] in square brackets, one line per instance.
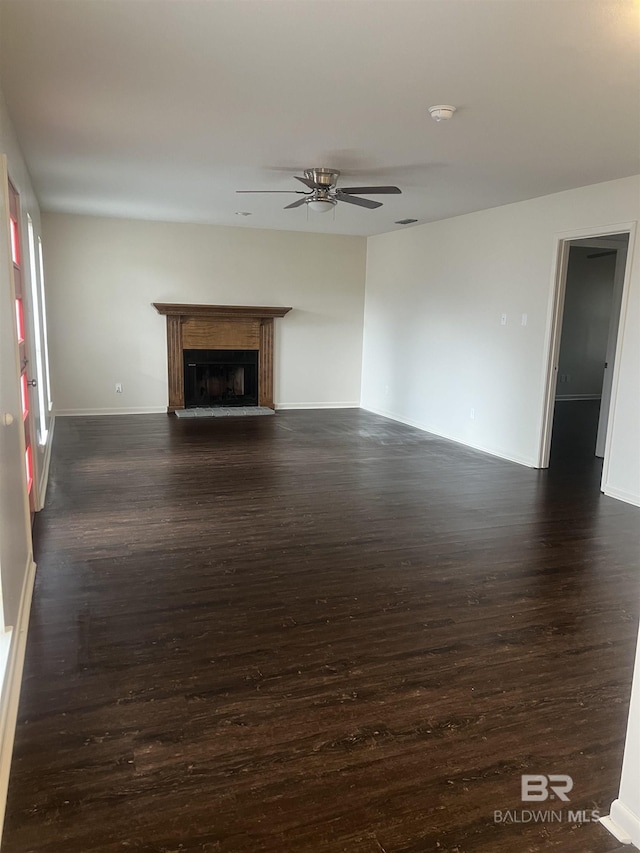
[161, 109]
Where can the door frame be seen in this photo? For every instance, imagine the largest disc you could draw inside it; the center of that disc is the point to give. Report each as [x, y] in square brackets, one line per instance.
[555, 313]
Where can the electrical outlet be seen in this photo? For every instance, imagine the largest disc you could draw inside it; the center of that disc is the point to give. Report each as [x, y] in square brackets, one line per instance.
[503, 319]
[525, 319]
[118, 387]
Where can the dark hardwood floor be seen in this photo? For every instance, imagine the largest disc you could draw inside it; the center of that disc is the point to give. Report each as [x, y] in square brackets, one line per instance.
[315, 633]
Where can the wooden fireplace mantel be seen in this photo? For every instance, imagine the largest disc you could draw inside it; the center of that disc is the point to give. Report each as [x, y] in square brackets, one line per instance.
[219, 327]
[259, 312]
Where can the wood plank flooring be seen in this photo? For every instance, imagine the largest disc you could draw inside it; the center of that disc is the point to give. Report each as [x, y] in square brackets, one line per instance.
[316, 633]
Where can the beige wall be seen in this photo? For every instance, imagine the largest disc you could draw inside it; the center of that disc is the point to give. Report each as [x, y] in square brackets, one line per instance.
[434, 346]
[104, 274]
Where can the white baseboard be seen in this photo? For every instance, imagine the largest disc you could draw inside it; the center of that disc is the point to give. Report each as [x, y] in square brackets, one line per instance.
[623, 824]
[130, 410]
[284, 406]
[621, 495]
[46, 462]
[11, 686]
[520, 460]
[569, 397]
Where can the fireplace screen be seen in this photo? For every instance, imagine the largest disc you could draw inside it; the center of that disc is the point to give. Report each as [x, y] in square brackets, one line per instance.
[220, 378]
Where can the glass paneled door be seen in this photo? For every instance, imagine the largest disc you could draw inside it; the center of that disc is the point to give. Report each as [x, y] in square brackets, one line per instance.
[21, 327]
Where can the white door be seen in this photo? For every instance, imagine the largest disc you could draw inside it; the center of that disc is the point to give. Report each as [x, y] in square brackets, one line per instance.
[15, 526]
[614, 322]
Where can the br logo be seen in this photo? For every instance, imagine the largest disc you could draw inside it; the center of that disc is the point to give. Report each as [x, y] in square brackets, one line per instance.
[537, 788]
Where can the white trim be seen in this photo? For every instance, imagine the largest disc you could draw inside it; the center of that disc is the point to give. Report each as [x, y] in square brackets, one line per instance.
[623, 824]
[134, 410]
[282, 406]
[11, 686]
[37, 337]
[621, 495]
[596, 231]
[603, 243]
[615, 830]
[46, 462]
[555, 311]
[519, 460]
[569, 397]
[45, 336]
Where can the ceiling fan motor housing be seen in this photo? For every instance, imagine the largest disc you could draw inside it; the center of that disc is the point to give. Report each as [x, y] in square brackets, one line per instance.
[323, 177]
[322, 198]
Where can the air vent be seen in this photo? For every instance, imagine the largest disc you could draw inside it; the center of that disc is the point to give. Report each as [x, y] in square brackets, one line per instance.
[405, 221]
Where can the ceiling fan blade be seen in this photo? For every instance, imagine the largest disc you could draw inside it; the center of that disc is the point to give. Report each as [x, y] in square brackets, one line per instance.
[297, 192]
[361, 202]
[308, 183]
[297, 203]
[371, 190]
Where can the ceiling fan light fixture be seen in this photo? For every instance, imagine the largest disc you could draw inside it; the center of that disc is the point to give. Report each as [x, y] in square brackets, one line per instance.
[442, 112]
[321, 205]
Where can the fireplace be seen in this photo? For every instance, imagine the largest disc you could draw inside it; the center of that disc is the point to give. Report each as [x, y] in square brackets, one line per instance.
[215, 330]
[220, 378]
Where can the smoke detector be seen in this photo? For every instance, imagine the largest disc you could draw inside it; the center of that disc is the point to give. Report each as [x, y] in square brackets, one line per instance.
[442, 112]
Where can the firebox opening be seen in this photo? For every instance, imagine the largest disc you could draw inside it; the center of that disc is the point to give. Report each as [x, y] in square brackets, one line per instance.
[220, 378]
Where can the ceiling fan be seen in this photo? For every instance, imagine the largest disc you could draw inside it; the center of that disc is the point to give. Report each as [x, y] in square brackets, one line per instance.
[323, 193]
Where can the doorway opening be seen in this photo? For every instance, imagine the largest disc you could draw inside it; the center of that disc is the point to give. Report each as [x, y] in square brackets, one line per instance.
[585, 338]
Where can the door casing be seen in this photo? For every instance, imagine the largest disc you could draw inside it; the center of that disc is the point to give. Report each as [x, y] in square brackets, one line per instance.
[555, 312]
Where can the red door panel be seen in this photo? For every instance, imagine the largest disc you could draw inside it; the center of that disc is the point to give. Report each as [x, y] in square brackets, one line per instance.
[21, 330]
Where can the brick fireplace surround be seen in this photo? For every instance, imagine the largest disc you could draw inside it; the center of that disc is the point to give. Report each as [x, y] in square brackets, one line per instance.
[219, 327]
